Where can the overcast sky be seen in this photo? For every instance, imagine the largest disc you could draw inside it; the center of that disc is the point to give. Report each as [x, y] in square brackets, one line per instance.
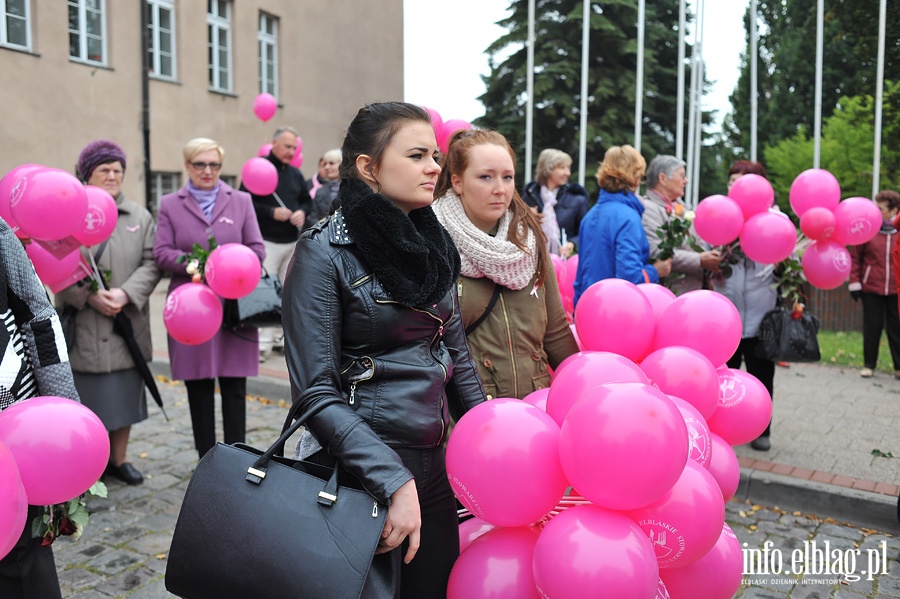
[443, 71]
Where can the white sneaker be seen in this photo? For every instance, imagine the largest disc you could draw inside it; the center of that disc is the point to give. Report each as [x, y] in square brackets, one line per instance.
[866, 373]
[264, 355]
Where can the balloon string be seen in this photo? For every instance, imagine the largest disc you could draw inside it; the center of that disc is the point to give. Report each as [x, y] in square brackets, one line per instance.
[96, 274]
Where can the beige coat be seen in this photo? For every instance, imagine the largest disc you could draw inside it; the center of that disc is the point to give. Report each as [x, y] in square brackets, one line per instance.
[129, 258]
[522, 335]
[686, 261]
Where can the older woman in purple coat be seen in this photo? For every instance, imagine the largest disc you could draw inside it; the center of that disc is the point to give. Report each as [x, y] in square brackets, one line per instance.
[209, 207]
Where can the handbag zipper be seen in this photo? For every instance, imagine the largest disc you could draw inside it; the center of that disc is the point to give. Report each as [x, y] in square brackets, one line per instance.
[375, 509]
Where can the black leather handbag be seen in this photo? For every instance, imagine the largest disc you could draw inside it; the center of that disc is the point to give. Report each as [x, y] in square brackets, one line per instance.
[261, 308]
[253, 524]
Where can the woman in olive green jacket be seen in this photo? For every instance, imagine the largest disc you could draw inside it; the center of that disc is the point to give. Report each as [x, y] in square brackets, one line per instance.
[514, 319]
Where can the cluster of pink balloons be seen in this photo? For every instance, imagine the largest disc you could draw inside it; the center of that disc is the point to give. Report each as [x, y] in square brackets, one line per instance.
[444, 130]
[193, 312]
[566, 271]
[52, 449]
[831, 224]
[639, 426]
[766, 236]
[81, 215]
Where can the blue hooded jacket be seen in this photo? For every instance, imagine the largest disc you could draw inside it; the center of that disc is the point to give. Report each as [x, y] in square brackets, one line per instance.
[613, 243]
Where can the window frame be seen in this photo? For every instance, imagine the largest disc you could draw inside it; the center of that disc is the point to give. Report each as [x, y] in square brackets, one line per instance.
[4, 32]
[266, 40]
[83, 36]
[155, 6]
[158, 180]
[219, 24]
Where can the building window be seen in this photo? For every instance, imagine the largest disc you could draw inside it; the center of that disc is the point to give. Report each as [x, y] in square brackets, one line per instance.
[160, 185]
[14, 26]
[218, 22]
[268, 54]
[161, 23]
[230, 180]
[87, 30]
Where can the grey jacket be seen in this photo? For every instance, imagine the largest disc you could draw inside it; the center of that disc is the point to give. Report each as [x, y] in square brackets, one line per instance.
[129, 258]
[686, 261]
[751, 288]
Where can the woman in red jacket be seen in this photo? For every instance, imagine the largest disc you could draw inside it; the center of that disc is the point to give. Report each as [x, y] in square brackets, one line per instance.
[872, 280]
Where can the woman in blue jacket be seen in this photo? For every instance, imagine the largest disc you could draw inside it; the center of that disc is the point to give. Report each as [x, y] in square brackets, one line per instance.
[613, 242]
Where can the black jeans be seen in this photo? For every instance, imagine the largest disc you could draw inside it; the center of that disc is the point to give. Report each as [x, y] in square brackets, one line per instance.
[201, 400]
[29, 571]
[761, 368]
[879, 310]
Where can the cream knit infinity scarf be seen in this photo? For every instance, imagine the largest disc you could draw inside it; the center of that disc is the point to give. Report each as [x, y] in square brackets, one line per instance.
[483, 255]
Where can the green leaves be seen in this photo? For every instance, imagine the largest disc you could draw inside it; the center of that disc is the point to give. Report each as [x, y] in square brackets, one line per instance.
[63, 519]
[196, 260]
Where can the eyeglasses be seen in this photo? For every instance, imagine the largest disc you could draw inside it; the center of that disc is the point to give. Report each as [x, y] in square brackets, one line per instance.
[106, 171]
[201, 166]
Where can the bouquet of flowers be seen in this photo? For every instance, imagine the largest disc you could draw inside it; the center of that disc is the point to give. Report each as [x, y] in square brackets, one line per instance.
[675, 234]
[196, 260]
[65, 519]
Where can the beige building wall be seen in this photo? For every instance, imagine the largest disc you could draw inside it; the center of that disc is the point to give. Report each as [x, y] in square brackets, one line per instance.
[333, 58]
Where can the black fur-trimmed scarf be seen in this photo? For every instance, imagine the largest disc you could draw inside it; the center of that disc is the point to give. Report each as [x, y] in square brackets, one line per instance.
[412, 255]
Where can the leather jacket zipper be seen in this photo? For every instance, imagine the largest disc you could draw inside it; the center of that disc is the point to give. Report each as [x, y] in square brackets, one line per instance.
[360, 281]
[369, 363]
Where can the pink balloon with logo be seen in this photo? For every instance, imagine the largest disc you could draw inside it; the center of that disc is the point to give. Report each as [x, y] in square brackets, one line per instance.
[703, 320]
[60, 446]
[716, 575]
[259, 176]
[7, 183]
[856, 221]
[538, 398]
[100, 219]
[813, 188]
[818, 223]
[264, 150]
[685, 522]
[719, 220]
[584, 372]
[724, 467]
[497, 564]
[623, 445]
[659, 297]
[589, 551]
[471, 529]
[744, 410]
[48, 267]
[699, 443]
[232, 270]
[297, 158]
[753, 193]
[826, 264]
[44, 192]
[448, 129]
[264, 106]
[686, 373]
[614, 315]
[13, 502]
[503, 462]
[192, 314]
[768, 237]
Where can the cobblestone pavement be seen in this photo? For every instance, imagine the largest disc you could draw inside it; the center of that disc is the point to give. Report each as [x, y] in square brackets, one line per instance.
[124, 548]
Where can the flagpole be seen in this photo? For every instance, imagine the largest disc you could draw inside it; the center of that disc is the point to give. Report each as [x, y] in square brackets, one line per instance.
[529, 92]
[754, 81]
[879, 99]
[582, 127]
[817, 136]
[679, 116]
[639, 78]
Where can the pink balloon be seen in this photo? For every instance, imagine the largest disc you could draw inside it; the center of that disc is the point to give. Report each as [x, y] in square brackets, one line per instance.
[818, 223]
[565, 278]
[101, 218]
[623, 445]
[264, 150]
[768, 237]
[192, 314]
[567, 361]
[259, 176]
[724, 466]
[48, 267]
[719, 220]
[232, 270]
[437, 123]
[826, 264]
[13, 502]
[448, 129]
[586, 371]
[684, 372]
[699, 443]
[658, 296]
[48, 191]
[60, 446]
[265, 106]
[503, 463]
[471, 529]
[703, 320]
[745, 407]
[716, 575]
[497, 564]
[814, 188]
[614, 315]
[686, 521]
[538, 398]
[589, 551]
[856, 221]
[753, 193]
[297, 158]
[7, 183]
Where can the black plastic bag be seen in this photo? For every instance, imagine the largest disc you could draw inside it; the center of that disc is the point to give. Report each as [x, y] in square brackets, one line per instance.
[784, 338]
